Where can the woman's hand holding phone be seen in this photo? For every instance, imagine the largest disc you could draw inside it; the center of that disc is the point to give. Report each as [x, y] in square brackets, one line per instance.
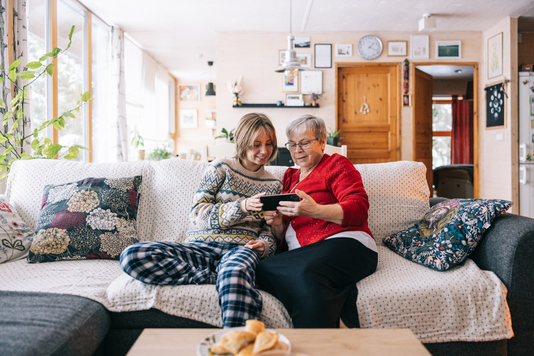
[254, 203]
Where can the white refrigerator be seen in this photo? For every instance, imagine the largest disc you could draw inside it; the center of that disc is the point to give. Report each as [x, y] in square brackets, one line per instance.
[526, 144]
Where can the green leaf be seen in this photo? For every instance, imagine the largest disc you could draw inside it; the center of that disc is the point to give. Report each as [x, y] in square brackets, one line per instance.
[69, 157]
[12, 75]
[2, 139]
[86, 96]
[15, 64]
[50, 69]
[14, 101]
[15, 124]
[80, 147]
[78, 109]
[20, 114]
[24, 72]
[33, 65]
[74, 151]
[1, 79]
[27, 76]
[25, 95]
[70, 37]
[52, 150]
[8, 150]
[2, 104]
[3, 157]
[6, 115]
[44, 57]
[35, 133]
[56, 51]
[47, 141]
[24, 155]
[35, 144]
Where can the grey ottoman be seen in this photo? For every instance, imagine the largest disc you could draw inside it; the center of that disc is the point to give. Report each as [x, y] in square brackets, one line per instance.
[50, 324]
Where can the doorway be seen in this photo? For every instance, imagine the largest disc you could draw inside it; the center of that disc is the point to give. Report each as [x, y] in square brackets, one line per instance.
[442, 91]
[368, 111]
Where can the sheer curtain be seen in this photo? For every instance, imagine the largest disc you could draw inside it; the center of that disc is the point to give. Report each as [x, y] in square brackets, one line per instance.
[462, 131]
[118, 97]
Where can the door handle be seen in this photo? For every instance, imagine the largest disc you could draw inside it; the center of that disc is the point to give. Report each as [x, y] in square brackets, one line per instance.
[523, 175]
[523, 157]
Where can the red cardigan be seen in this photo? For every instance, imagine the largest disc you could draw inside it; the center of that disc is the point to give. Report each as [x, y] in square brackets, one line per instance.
[333, 181]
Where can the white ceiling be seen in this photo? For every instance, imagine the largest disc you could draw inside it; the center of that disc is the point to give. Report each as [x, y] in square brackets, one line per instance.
[449, 71]
[182, 34]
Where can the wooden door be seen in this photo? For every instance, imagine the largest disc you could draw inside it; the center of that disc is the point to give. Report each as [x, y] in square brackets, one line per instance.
[373, 136]
[422, 121]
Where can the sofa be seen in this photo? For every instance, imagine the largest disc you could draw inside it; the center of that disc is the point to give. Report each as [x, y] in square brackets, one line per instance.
[90, 307]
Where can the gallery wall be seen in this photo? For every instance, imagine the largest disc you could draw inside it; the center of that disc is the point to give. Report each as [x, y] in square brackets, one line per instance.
[255, 57]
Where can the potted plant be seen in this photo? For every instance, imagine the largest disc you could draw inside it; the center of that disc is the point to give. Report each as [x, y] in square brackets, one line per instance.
[17, 141]
[315, 98]
[332, 137]
[137, 140]
[160, 153]
[229, 136]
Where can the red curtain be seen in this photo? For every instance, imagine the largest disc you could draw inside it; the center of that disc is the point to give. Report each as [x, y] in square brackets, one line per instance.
[462, 131]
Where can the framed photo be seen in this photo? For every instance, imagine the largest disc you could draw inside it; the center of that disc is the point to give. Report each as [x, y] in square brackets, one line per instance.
[304, 59]
[189, 92]
[397, 48]
[419, 46]
[294, 100]
[495, 56]
[343, 50]
[323, 55]
[406, 100]
[188, 119]
[302, 42]
[495, 110]
[448, 49]
[290, 84]
[281, 56]
[311, 81]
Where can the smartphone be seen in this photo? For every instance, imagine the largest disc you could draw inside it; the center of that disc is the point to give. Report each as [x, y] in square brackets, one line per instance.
[271, 202]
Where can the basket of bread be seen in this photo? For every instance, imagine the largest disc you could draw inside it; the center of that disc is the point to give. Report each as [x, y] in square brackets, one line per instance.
[245, 341]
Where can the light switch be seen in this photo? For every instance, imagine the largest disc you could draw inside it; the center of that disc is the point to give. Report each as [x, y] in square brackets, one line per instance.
[499, 137]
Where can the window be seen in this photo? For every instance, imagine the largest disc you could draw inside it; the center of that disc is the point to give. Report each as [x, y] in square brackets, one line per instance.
[441, 133]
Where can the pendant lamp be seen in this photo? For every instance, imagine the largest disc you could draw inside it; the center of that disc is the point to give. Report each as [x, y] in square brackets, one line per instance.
[211, 90]
[291, 63]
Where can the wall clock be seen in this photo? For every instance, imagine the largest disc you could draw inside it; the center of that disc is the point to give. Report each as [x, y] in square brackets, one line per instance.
[370, 47]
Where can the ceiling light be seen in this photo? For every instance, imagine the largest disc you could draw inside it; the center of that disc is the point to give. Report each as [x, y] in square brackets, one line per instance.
[458, 71]
[291, 63]
[427, 23]
[211, 90]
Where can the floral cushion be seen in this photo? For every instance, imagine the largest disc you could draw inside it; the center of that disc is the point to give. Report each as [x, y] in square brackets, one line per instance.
[448, 233]
[14, 234]
[89, 219]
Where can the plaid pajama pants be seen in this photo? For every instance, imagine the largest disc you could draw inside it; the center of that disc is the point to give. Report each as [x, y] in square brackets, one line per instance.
[169, 263]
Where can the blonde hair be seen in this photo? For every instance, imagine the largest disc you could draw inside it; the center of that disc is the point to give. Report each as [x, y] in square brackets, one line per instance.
[249, 128]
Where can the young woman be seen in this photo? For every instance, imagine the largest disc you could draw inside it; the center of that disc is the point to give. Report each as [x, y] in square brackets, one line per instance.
[228, 234]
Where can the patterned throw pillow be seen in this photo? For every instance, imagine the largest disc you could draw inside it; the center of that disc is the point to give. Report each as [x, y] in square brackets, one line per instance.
[448, 233]
[90, 219]
[14, 234]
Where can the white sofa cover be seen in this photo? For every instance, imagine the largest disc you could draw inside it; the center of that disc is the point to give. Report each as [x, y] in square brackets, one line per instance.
[462, 304]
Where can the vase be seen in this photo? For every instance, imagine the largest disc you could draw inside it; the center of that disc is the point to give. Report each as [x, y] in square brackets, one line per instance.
[314, 103]
[333, 141]
[141, 155]
[237, 102]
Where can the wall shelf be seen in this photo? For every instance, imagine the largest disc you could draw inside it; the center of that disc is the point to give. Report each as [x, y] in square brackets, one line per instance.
[273, 106]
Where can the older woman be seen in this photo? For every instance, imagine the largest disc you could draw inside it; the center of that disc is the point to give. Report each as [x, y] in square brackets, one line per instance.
[330, 245]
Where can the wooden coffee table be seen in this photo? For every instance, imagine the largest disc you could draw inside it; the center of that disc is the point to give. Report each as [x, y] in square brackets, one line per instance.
[314, 342]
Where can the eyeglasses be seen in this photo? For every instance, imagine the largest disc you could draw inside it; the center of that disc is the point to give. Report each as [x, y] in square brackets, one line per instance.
[302, 144]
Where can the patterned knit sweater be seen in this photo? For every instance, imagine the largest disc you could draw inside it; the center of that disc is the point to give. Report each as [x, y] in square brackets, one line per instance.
[217, 213]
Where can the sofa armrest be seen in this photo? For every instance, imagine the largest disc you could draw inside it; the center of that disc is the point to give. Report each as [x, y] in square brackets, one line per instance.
[507, 249]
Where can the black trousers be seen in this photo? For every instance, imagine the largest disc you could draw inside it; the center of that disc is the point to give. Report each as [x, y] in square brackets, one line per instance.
[316, 283]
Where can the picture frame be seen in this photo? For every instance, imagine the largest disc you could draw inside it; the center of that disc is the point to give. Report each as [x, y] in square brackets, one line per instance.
[290, 84]
[188, 119]
[305, 59]
[495, 56]
[189, 92]
[406, 100]
[281, 56]
[495, 106]
[397, 48]
[419, 46]
[311, 81]
[448, 49]
[323, 55]
[343, 50]
[302, 42]
[294, 100]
